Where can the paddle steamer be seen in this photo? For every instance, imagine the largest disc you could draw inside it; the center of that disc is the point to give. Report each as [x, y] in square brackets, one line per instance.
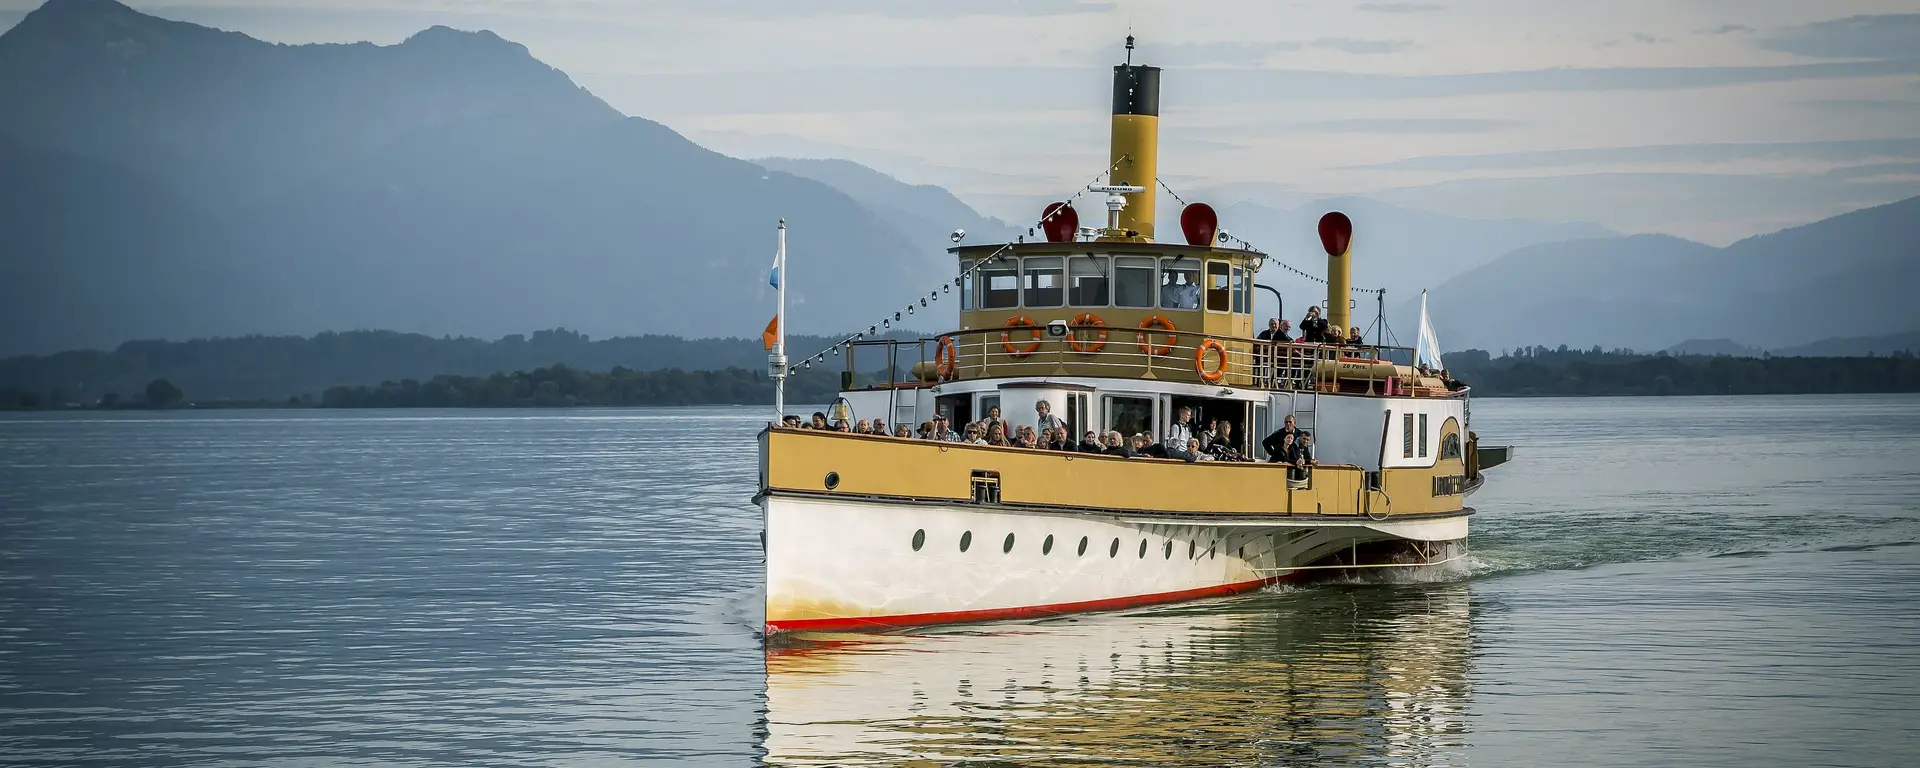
[1115, 330]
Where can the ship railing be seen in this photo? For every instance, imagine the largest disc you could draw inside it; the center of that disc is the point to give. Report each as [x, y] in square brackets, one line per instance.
[1180, 356]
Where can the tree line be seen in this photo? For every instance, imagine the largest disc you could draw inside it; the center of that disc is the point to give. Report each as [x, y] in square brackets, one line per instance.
[561, 386]
[1543, 371]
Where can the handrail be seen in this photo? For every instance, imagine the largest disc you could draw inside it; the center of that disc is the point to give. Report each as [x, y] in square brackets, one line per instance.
[1156, 354]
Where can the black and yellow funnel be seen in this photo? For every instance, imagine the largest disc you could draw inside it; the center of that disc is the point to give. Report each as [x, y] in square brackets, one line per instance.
[1136, 140]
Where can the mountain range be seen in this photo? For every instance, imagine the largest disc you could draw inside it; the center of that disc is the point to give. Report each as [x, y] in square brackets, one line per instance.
[1847, 276]
[167, 180]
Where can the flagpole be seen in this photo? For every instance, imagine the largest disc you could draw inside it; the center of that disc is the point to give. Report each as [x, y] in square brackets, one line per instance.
[777, 360]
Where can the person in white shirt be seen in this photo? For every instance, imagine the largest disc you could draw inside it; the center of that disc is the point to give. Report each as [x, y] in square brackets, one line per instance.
[1182, 429]
[1044, 420]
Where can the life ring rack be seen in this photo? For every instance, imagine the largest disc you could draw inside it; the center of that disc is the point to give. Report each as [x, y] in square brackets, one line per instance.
[946, 358]
[1156, 321]
[1084, 321]
[1020, 351]
[1210, 375]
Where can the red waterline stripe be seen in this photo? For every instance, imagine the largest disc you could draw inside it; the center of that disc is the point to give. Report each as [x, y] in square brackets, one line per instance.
[857, 623]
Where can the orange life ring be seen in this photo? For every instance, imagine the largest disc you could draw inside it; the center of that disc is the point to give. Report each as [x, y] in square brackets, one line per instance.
[1200, 360]
[1088, 320]
[1006, 337]
[1156, 321]
[946, 357]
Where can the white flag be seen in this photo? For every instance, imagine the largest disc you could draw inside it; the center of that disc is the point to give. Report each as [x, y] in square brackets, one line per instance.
[1428, 347]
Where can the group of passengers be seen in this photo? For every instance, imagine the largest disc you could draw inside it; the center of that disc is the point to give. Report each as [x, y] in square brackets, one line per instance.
[1313, 330]
[1293, 447]
[1186, 440]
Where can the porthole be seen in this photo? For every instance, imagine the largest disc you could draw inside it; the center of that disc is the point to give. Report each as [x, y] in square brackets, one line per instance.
[1047, 546]
[1143, 548]
[833, 480]
[1007, 546]
[919, 539]
[1169, 549]
[1083, 547]
[966, 540]
[1114, 551]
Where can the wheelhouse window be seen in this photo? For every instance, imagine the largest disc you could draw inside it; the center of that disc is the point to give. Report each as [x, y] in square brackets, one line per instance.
[1087, 281]
[1219, 289]
[966, 285]
[1133, 281]
[1242, 291]
[1450, 446]
[1000, 285]
[1180, 284]
[1129, 415]
[1042, 280]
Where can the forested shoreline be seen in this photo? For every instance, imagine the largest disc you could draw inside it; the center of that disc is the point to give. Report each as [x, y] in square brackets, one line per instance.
[282, 372]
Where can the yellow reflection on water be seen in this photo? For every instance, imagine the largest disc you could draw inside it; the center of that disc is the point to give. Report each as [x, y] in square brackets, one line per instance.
[1325, 675]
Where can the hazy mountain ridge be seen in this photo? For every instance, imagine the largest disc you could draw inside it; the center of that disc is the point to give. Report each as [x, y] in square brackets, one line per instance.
[925, 213]
[449, 184]
[1832, 278]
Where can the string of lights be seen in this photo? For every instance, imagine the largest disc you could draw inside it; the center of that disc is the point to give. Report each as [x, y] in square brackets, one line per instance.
[886, 323]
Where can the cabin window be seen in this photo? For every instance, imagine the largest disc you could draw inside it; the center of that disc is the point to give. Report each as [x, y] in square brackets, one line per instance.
[1450, 446]
[1219, 288]
[1406, 435]
[1000, 285]
[1043, 284]
[1087, 281]
[1180, 284]
[1133, 282]
[1129, 415]
[1242, 291]
[1423, 436]
[966, 285]
[1076, 415]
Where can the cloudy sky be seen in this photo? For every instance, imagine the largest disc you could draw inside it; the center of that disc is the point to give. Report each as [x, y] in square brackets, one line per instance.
[1710, 119]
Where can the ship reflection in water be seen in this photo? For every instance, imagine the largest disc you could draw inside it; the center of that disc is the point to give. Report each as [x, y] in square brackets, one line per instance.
[1327, 674]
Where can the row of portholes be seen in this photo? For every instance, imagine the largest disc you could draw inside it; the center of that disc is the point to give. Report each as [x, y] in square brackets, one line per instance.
[1046, 546]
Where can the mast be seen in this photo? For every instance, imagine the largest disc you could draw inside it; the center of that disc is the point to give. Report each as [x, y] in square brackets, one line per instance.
[777, 359]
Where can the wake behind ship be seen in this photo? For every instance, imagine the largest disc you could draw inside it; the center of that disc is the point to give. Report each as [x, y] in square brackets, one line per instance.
[1105, 330]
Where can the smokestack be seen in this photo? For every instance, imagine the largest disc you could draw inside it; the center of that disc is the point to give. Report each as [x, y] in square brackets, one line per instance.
[1136, 139]
[1336, 236]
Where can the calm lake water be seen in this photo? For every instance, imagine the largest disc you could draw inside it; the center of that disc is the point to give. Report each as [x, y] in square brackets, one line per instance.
[1655, 582]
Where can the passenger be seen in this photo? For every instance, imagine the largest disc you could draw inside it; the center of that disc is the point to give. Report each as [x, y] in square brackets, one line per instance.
[993, 417]
[1286, 454]
[879, 427]
[1313, 327]
[791, 421]
[1303, 461]
[1182, 428]
[1117, 445]
[863, 428]
[997, 434]
[974, 435]
[1090, 442]
[1354, 339]
[840, 425]
[926, 430]
[1025, 437]
[1145, 445]
[1207, 432]
[1272, 333]
[1044, 418]
[1193, 449]
[1281, 437]
[819, 421]
[903, 431]
[1179, 451]
[1222, 445]
[942, 432]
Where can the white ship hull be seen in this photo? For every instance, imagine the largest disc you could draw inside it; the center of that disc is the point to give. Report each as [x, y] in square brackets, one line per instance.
[842, 564]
